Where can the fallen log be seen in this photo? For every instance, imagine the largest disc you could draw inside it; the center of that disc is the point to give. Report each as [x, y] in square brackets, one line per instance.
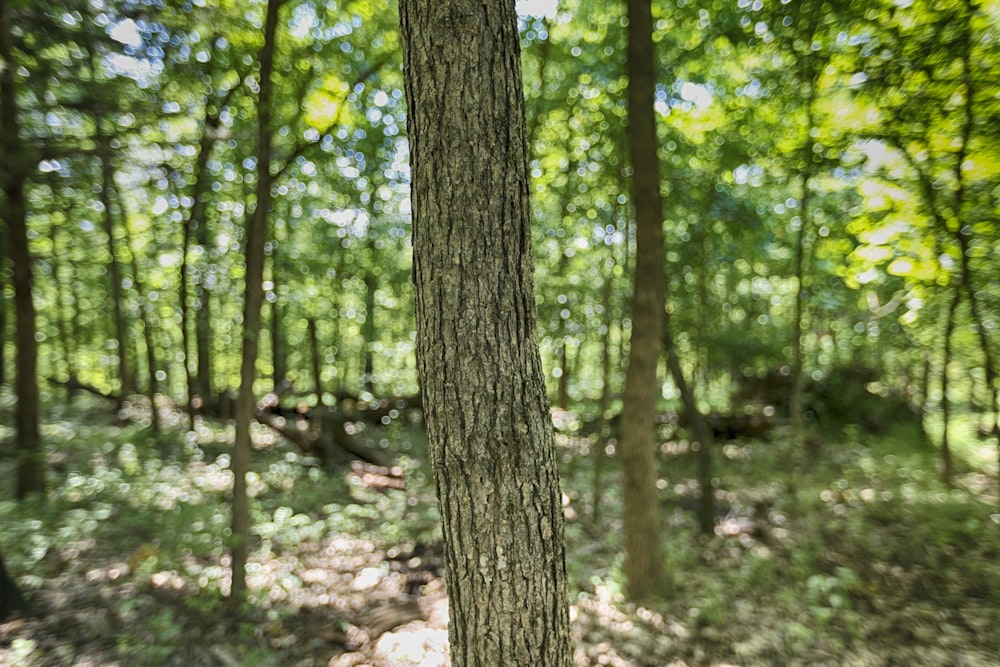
[326, 438]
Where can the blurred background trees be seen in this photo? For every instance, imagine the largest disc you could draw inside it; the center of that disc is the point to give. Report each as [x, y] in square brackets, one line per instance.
[829, 179]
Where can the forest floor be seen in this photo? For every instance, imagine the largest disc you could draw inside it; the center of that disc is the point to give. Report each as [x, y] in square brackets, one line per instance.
[853, 555]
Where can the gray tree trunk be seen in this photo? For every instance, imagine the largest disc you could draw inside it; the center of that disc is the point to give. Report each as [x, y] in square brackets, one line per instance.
[488, 424]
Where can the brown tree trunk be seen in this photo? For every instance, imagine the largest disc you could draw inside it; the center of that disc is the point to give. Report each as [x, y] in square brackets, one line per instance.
[644, 567]
[603, 421]
[963, 234]
[13, 169]
[255, 240]
[795, 409]
[699, 428]
[279, 364]
[368, 330]
[949, 330]
[199, 380]
[146, 319]
[484, 397]
[316, 363]
[58, 315]
[114, 266]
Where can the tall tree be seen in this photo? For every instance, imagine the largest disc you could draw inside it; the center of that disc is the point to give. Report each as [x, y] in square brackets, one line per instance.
[488, 424]
[644, 567]
[255, 240]
[13, 175]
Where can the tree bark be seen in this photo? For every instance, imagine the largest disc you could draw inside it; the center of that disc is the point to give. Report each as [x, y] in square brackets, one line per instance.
[488, 425]
[255, 240]
[644, 568]
[13, 169]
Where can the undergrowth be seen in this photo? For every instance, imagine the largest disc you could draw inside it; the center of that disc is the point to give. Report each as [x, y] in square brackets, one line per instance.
[830, 552]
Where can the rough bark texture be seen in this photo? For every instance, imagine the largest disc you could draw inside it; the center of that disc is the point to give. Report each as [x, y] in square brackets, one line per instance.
[256, 233]
[488, 425]
[643, 547]
[13, 167]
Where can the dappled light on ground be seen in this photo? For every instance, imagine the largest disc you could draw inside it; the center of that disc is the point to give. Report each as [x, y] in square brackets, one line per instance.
[866, 560]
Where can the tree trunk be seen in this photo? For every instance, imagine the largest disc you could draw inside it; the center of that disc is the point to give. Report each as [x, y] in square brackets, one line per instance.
[483, 390]
[368, 328]
[13, 169]
[644, 568]
[58, 315]
[196, 227]
[949, 330]
[146, 319]
[603, 421]
[279, 363]
[317, 363]
[699, 428]
[795, 410]
[114, 267]
[963, 234]
[255, 240]
[203, 305]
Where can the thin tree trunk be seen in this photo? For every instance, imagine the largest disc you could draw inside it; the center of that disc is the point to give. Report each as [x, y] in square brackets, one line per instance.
[58, 308]
[795, 409]
[699, 427]
[125, 375]
[194, 402]
[279, 361]
[949, 329]
[203, 313]
[603, 424]
[562, 352]
[963, 234]
[145, 318]
[255, 240]
[199, 381]
[316, 364]
[369, 332]
[13, 170]
[483, 390]
[644, 566]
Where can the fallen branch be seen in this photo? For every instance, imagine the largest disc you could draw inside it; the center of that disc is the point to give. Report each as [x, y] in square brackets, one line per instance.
[75, 385]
